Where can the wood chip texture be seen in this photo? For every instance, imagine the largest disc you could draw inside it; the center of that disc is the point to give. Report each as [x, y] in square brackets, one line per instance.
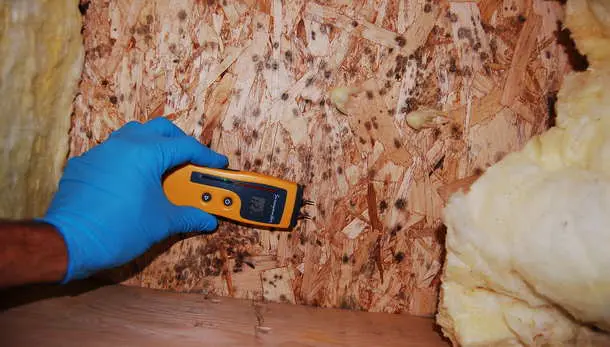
[253, 79]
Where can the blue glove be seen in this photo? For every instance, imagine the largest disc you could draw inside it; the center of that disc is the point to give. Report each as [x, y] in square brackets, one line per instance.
[110, 206]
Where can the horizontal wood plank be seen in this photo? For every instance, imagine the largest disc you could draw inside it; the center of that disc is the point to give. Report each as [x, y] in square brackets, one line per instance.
[127, 316]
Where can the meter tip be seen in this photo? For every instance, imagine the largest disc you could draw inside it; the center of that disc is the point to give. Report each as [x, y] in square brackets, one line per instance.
[308, 202]
[304, 215]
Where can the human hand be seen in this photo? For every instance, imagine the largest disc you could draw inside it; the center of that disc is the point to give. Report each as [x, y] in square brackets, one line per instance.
[110, 206]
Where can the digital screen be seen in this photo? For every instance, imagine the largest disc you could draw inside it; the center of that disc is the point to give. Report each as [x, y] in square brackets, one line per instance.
[256, 205]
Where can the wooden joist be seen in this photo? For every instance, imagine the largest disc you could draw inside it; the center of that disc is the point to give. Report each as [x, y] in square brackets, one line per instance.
[127, 316]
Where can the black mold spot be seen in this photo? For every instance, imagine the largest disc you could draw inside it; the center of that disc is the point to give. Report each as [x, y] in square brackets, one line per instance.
[383, 205]
[396, 229]
[463, 33]
[400, 204]
[400, 41]
[399, 256]
[452, 17]
[455, 131]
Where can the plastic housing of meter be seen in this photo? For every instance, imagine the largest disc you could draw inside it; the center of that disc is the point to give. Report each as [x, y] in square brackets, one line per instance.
[244, 197]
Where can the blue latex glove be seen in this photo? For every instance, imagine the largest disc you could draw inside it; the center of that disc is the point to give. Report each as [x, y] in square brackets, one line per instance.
[110, 206]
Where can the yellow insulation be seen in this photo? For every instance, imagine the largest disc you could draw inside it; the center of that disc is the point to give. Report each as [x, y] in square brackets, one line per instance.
[41, 60]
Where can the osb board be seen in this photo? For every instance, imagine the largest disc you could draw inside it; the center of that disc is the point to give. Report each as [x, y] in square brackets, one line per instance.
[41, 57]
[253, 79]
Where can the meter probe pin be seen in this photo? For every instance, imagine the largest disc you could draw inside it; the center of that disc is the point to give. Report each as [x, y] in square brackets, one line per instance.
[304, 215]
[307, 202]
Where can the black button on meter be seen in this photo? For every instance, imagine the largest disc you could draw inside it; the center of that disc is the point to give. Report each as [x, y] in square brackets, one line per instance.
[206, 197]
[228, 201]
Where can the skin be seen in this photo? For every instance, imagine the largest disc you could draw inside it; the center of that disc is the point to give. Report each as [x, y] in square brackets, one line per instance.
[30, 252]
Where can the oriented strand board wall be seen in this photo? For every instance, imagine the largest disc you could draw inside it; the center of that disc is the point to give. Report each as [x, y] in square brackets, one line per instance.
[41, 57]
[253, 79]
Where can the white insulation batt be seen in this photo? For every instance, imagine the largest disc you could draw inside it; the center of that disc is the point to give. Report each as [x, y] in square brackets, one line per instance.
[41, 57]
[527, 247]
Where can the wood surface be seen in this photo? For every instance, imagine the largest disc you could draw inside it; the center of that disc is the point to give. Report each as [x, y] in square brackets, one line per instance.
[127, 316]
[253, 79]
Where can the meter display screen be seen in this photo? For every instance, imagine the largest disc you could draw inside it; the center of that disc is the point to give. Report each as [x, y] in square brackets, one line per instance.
[256, 206]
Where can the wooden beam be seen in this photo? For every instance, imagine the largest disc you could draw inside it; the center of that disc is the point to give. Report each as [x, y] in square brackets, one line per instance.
[129, 316]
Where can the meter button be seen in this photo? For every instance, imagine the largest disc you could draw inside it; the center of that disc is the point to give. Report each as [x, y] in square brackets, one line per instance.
[206, 197]
[228, 201]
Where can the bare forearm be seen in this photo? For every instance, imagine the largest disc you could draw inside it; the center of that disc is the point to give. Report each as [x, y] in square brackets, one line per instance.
[30, 252]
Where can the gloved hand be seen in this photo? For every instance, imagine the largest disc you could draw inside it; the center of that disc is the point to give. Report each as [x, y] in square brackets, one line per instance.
[110, 206]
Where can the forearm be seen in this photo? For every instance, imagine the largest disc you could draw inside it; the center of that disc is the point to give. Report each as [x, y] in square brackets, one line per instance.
[30, 252]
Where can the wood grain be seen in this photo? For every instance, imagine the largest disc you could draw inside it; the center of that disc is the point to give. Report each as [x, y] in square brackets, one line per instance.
[128, 316]
[252, 79]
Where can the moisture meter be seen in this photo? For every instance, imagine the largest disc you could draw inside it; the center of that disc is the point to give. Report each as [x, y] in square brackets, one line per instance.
[241, 196]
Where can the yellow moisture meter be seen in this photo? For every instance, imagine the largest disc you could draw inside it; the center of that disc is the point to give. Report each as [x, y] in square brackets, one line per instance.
[244, 197]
